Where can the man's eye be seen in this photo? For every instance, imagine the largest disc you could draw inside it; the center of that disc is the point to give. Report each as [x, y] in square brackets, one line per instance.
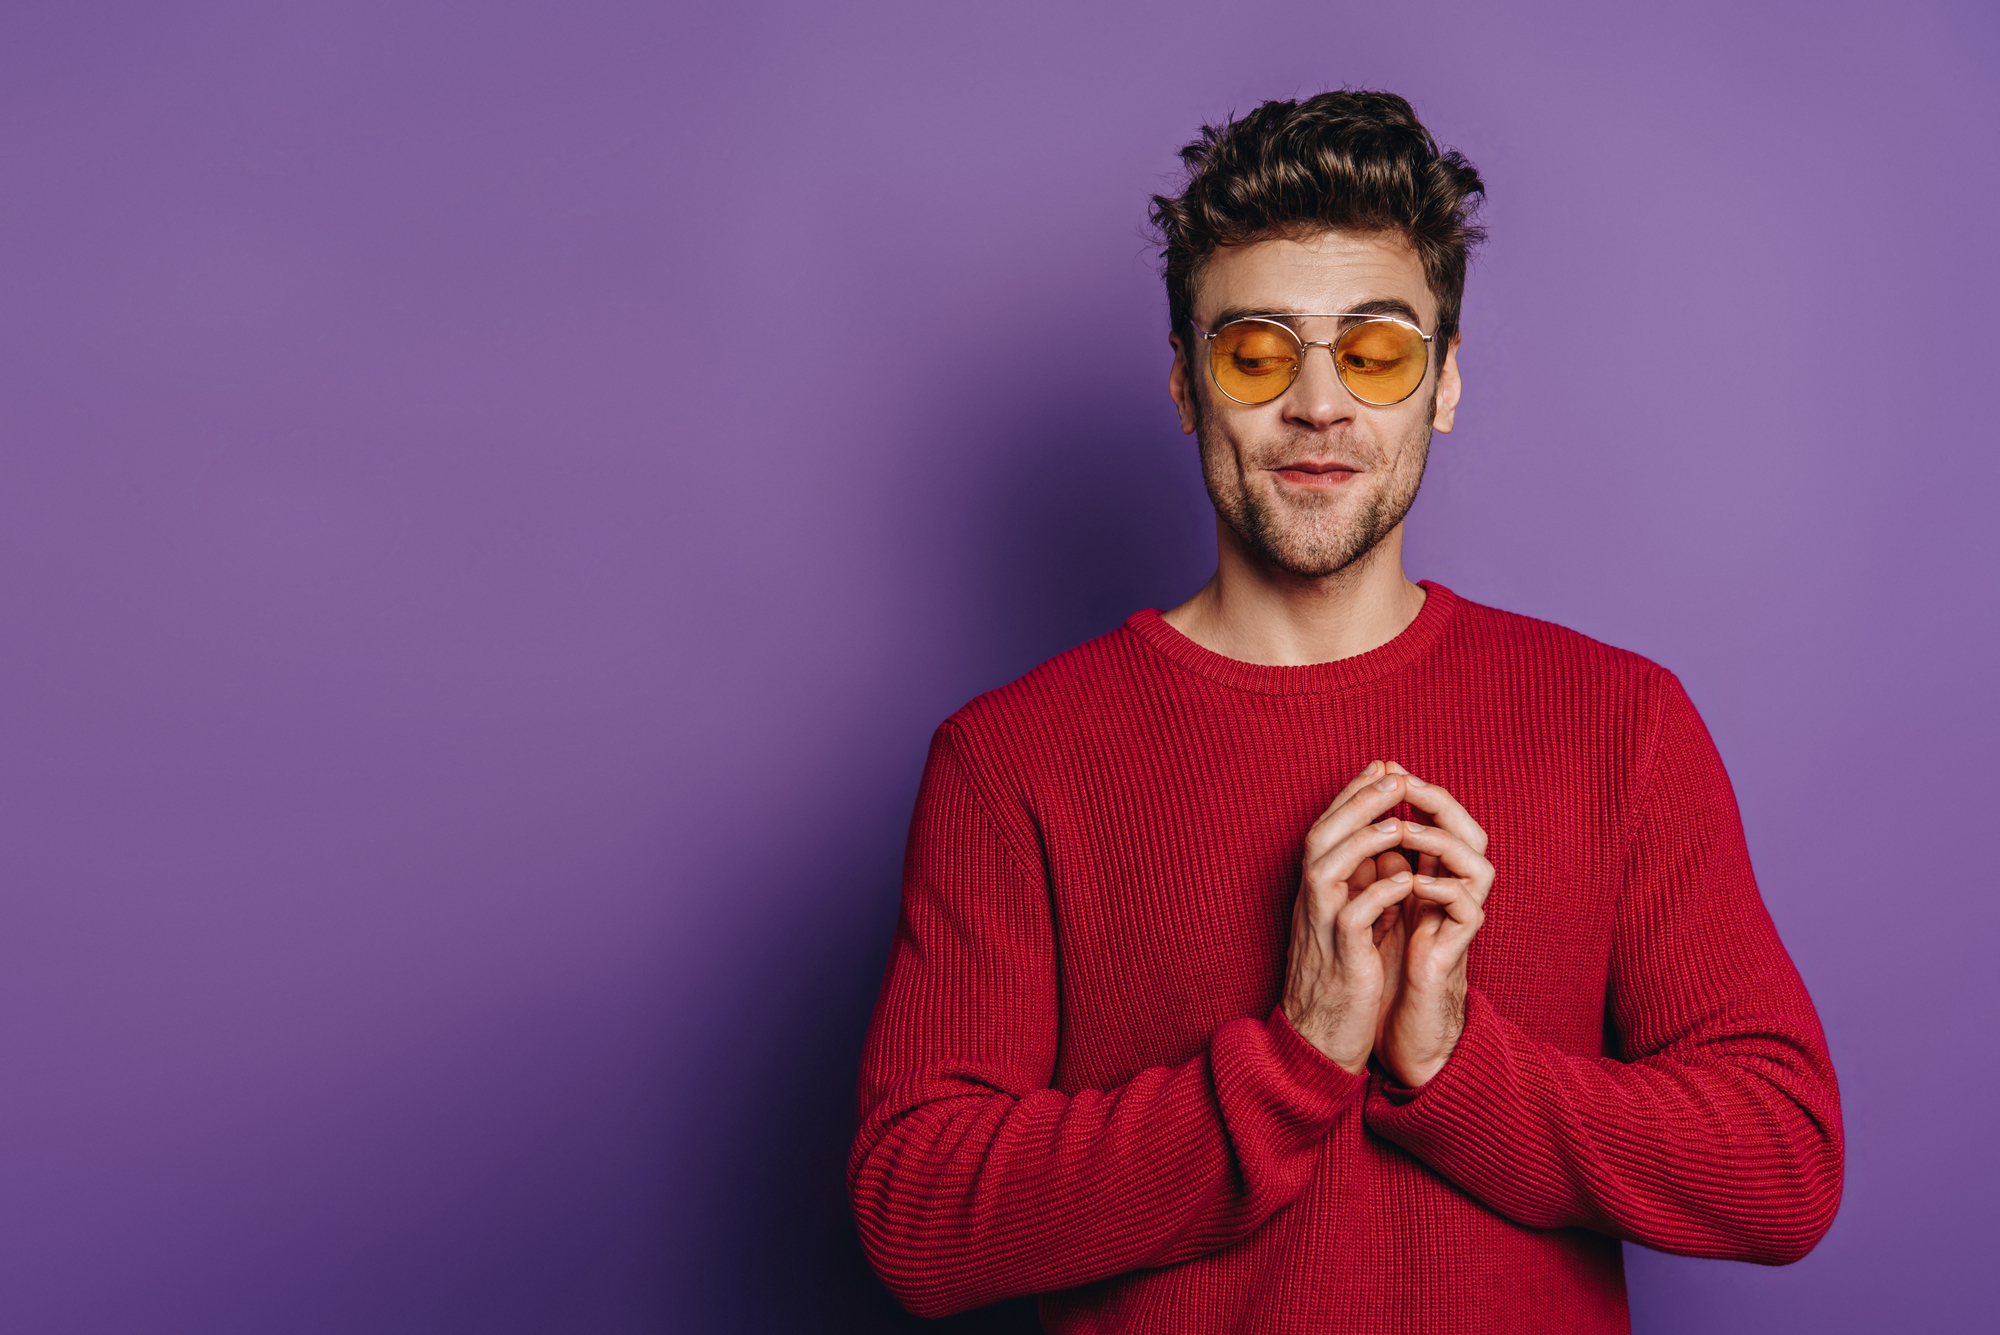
[1370, 365]
[1262, 365]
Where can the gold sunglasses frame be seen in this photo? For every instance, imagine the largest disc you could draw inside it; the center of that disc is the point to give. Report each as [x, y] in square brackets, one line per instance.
[1359, 317]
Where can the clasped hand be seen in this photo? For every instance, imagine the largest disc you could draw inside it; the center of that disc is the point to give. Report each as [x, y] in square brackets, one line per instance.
[1378, 947]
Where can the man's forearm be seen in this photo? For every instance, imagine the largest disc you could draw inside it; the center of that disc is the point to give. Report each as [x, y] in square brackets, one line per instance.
[970, 1194]
[1727, 1144]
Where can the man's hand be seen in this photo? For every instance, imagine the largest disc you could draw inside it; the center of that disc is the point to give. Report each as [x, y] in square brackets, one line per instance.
[1425, 1013]
[1335, 979]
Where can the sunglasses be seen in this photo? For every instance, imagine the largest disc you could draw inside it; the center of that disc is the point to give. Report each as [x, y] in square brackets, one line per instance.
[1379, 358]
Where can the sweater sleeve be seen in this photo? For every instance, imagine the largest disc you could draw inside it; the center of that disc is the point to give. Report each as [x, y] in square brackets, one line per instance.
[972, 1179]
[1716, 1129]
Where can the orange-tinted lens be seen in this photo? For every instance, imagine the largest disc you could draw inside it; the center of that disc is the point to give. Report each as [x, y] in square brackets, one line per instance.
[1381, 361]
[1254, 361]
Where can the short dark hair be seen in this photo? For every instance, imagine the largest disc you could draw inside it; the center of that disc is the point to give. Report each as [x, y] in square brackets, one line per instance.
[1353, 160]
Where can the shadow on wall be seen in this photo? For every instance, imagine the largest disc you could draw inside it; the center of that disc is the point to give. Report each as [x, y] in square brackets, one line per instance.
[1073, 530]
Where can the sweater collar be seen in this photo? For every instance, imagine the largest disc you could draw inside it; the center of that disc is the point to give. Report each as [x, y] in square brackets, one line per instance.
[1414, 642]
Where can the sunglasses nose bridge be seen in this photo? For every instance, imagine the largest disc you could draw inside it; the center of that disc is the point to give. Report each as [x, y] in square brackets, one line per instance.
[1307, 345]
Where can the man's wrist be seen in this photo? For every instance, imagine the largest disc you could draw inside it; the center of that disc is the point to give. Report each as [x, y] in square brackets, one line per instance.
[1415, 1074]
[1323, 1041]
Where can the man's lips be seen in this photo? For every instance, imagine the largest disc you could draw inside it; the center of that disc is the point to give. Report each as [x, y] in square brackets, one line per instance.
[1315, 473]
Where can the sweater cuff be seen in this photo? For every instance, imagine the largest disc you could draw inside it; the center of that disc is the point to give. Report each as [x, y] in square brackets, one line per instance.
[1459, 1095]
[1315, 1075]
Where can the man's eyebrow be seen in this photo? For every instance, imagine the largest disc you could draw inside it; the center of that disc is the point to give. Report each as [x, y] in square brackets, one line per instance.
[1229, 313]
[1395, 306]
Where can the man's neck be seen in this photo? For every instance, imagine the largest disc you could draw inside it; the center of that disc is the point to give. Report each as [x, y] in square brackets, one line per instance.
[1256, 614]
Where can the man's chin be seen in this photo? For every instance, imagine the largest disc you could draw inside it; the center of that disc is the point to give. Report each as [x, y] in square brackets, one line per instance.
[1308, 568]
[1310, 556]
[1314, 535]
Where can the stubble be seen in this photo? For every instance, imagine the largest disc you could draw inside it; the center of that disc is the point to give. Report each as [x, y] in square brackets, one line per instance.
[1301, 534]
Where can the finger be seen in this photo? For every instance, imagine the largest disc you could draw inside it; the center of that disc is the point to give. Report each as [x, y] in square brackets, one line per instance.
[1333, 878]
[1442, 844]
[1375, 777]
[1368, 803]
[1439, 945]
[1343, 859]
[1370, 772]
[1452, 894]
[1452, 852]
[1392, 930]
[1354, 926]
[1390, 919]
[1425, 863]
[1393, 861]
[1431, 798]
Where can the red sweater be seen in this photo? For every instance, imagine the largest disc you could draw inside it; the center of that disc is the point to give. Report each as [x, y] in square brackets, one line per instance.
[1078, 1083]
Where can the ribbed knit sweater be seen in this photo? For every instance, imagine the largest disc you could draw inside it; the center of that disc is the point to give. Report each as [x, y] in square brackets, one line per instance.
[1079, 1083]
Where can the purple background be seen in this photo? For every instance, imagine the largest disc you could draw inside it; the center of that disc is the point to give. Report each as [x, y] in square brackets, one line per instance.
[477, 591]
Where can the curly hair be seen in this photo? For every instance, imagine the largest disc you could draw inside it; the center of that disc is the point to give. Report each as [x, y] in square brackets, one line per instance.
[1352, 160]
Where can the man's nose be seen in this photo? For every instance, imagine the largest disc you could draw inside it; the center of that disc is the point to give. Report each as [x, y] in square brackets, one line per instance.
[1317, 399]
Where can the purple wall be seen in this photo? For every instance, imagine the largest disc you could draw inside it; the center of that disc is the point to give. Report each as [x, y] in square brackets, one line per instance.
[471, 620]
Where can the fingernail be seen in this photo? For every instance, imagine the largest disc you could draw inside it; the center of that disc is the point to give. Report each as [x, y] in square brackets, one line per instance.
[1426, 880]
[1415, 782]
[1390, 826]
[1373, 765]
[1402, 876]
[1388, 785]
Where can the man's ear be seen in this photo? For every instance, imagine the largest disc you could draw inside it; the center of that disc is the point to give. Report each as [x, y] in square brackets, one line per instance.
[1448, 387]
[1180, 386]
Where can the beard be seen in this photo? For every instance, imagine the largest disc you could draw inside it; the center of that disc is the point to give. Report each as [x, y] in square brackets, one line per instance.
[1305, 535]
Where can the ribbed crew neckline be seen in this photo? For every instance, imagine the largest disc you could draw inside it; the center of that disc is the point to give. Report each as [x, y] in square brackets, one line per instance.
[1414, 642]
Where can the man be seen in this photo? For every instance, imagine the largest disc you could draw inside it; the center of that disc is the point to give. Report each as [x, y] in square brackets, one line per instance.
[1330, 953]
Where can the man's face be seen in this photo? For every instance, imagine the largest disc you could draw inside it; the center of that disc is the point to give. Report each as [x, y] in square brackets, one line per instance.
[1313, 480]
